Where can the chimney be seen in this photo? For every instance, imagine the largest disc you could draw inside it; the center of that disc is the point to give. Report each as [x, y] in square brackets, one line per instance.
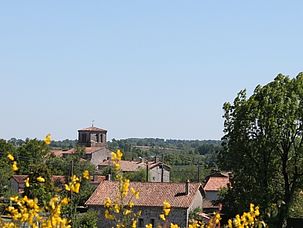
[187, 187]
[108, 177]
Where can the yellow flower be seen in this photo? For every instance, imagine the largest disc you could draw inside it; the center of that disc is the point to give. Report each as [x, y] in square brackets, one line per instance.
[166, 204]
[174, 226]
[74, 178]
[148, 226]
[125, 187]
[166, 211]
[135, 193]
[127, 212]
[10, 157]
[14, 198]
[65, 201]
[40, 179]
[107, 202]
[119, 155]
[15, 167]
[257, 212]
[230, 223]
[26, 182]
[47, 139]
[114, 156]
[108, 215]
[117, 166]
[131, 204]
[162, 216]
[116, 208]
[76, 187]
[86, 175]
[134, 224]
[166, 207]
[67, 188]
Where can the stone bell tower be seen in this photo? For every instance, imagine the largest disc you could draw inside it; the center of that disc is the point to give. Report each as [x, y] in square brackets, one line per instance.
[92, 137]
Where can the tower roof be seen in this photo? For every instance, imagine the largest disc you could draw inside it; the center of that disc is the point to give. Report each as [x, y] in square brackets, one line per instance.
[93, 129]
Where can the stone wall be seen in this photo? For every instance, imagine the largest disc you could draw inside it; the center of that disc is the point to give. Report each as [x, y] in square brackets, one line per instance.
[154, 174]
[99, 156]
[149, 214]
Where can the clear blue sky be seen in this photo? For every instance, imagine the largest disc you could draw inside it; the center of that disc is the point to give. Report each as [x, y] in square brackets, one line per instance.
[138, 68]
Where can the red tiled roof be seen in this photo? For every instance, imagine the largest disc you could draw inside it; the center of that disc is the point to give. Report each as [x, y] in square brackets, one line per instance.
[94, 129]
[60, 179]
[87, 150]
[126, 166]
[96, 180]
[57, 153]
[216, 183]
[151, 193]
[207, 204]
[20, 178]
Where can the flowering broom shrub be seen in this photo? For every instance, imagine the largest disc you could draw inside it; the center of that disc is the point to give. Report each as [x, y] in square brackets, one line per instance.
[25, 211]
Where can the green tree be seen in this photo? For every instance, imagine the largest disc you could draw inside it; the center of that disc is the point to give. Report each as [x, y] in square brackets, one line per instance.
[37, 189]
[5, 167]
[86, 220]
[30, 153]
[263, 146]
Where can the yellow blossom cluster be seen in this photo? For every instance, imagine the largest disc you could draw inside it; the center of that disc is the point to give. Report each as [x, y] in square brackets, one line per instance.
[196, 224]
[27, 212]
[13, 162]
[47, 139]
[73, 185]
[166, 210]
[120, 210]
[86, 175]
[247, 219]
[214, 221]
[116, 158]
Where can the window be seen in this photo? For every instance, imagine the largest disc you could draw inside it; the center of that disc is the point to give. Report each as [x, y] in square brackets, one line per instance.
[140, 222]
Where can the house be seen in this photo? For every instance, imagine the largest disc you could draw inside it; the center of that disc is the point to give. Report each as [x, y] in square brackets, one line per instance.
[93, 141]
[183, 198]
[17, 182]
[157, 170]
[213, 184]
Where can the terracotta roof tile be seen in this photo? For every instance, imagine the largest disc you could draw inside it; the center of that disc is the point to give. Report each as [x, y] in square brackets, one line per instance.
[20, 178]
[57, 153]
[207, 204]
[97, 179]
[60, 179]
[216, 183]
[126, 166]
[151, 194]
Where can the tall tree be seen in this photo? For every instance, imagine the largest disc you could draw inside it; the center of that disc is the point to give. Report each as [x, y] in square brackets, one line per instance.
[263, 145]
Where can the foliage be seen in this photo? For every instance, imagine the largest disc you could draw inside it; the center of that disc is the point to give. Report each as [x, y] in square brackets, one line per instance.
[5, 167]
[30, 153]
[86, 220]
[139, 175]
[263, 146]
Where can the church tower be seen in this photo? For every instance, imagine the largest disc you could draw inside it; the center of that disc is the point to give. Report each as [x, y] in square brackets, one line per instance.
[92, 137]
